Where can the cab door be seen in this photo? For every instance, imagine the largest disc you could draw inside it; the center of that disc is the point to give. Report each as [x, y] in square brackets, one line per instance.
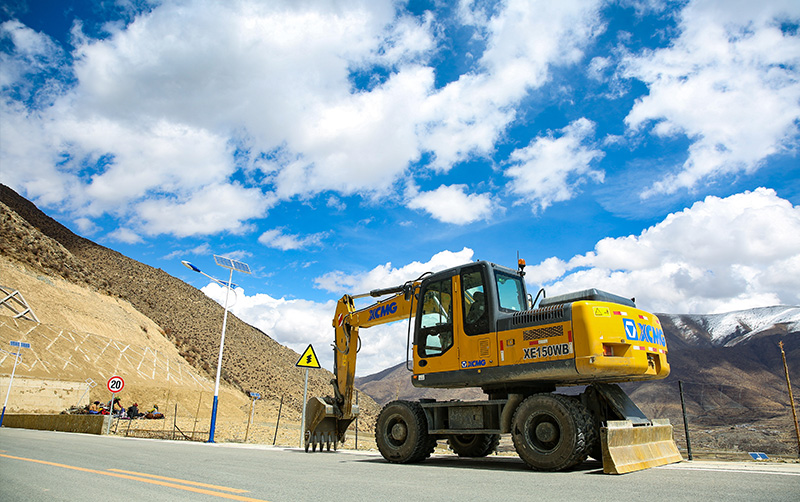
[476, 338]
[434, 343]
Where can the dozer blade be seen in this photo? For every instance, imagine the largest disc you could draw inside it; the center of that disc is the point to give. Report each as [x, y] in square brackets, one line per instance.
[627, 448]
[323, 426]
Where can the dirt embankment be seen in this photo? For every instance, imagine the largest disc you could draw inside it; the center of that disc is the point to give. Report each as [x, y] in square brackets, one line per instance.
[112, 313]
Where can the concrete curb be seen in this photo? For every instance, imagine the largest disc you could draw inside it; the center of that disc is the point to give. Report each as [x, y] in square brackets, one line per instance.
[87, 424]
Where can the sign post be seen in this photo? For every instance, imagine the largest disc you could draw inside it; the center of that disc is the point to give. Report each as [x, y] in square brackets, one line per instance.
[114, 385]
[17, 356]
[307, 360]
[254, 395]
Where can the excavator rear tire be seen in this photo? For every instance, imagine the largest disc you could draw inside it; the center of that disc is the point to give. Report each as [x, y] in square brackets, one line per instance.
[473, 445]
[401, 433]
[551, 432]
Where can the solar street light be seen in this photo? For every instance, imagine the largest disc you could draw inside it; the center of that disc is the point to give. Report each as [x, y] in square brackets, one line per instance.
[232, 265]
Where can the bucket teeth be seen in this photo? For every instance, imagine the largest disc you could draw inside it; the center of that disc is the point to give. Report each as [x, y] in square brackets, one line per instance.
[322, 439]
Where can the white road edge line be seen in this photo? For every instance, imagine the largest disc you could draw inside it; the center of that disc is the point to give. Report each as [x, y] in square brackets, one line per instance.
[745, 471]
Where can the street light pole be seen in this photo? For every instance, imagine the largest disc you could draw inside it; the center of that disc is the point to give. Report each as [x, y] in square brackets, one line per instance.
[219, 364]
[232, 265]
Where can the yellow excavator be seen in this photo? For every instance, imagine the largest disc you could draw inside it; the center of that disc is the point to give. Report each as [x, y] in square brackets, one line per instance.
[476, 326]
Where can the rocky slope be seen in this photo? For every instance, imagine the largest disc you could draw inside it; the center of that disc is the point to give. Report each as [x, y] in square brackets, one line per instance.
[191, 321]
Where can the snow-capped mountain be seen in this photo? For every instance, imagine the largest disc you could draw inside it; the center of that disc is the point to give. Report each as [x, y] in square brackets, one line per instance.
[732, 328]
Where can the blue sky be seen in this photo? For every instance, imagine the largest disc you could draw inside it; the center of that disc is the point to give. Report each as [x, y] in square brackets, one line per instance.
[648, 148]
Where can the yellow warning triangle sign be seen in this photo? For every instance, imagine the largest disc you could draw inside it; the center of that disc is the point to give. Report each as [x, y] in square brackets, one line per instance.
[308, 359]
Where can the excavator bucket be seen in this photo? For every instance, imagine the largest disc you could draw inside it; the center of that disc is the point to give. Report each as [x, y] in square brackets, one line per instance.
[628, 448]
[323, 427]
[635, 442]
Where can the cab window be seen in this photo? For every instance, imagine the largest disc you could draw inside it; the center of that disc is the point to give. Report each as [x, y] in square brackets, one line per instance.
[510, 292]
[435, 335]
[476, 315]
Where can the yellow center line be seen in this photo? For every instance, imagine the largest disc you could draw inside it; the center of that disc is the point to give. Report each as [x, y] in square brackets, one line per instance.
[142, 480]
[213, 487]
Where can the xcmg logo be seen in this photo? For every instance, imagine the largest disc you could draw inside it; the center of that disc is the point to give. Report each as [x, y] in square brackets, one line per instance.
[382, 311]
[645, 332]
[473, 364]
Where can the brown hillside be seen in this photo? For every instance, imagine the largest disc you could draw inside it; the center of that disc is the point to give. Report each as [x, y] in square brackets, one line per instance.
[252, 360]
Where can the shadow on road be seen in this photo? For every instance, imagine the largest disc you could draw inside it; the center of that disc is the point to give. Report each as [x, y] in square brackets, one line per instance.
[496, 463]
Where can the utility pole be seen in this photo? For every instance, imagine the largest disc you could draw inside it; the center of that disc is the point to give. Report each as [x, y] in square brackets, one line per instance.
[791, 397]
[685, 422]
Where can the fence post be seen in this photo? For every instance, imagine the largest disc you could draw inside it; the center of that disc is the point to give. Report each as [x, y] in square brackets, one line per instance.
[166, 407]
[359, 413]
[277, 422]
[196, 414]
[685, 422]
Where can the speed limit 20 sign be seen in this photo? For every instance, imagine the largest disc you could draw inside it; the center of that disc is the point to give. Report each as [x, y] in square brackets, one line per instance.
[115, 384]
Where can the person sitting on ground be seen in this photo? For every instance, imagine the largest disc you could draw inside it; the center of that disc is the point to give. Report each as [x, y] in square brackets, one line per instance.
[154, 413]
[133, 411]
[94, 408]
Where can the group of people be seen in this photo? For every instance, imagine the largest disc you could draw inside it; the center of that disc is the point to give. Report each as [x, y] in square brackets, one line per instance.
[116, 409]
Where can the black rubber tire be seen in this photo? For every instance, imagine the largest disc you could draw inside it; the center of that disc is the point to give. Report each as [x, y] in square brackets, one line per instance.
[551, 432]
[473, 445]
[401, 433]
[593, 447]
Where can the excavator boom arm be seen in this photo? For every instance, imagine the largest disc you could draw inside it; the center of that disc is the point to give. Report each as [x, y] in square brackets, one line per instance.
[347, 322]
[328, 418]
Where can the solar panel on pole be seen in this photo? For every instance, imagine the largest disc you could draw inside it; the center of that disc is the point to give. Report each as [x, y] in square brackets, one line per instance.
[232, 264]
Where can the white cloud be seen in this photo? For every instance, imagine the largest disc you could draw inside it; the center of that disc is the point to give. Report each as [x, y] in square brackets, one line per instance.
[294, 323]
[719, 255]
[451, 204]
[384, 276]
[212, 209]
[201, 250]
[276, 239]
[125, 235]
[551, 168]
[524, 40]
[730, 83]
[154, 109]
[86, 226]
[35, 55]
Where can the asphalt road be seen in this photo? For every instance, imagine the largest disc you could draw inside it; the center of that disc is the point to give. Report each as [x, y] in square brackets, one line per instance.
[40, 465]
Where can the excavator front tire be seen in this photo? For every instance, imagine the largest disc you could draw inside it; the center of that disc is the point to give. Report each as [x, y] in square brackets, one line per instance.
[473, 445]
[401, 433]
[551, 432]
